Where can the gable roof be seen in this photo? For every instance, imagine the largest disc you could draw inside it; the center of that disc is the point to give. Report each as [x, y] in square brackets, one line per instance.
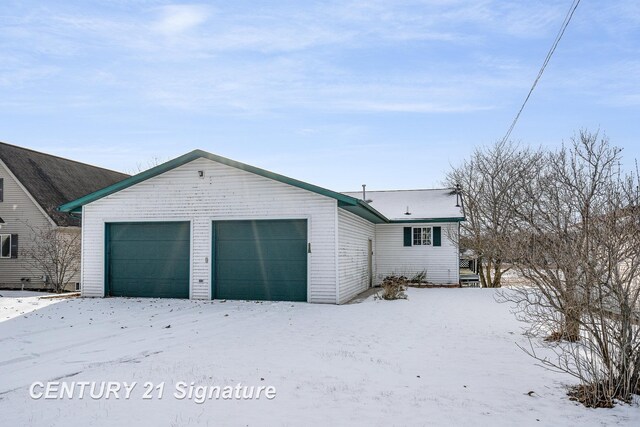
[53, 180]
[424, 205]
[346, 202]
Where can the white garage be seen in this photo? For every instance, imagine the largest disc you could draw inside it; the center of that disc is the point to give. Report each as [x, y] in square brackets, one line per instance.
[211, 227]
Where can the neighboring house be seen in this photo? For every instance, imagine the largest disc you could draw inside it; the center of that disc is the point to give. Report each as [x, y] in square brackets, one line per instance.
[32, 186]
[206, 227]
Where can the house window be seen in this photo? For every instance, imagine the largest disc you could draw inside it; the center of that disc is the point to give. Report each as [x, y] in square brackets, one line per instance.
[1, 189]
[421, 236]
[8, 246]
[5, 245]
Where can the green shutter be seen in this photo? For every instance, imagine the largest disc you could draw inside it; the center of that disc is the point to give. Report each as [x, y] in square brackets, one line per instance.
[14, 246]
[437, 236]
[407, 236]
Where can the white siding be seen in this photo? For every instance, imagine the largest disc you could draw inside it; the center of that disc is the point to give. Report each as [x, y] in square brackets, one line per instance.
[440, 262]
[353, 265]
[21, 215]
[224, 193]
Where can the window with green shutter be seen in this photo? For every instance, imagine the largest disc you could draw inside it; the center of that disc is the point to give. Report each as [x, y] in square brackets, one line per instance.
[422, 236]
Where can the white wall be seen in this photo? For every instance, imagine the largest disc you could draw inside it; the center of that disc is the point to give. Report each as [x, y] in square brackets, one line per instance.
[440, 262]
[224, 193]
[353, 240]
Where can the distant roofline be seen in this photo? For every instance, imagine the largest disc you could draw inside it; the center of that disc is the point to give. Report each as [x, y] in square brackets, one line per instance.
[62, 158]
[49, 179]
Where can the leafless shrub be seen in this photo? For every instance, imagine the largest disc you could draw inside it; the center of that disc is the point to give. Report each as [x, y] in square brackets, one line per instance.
[55, 253]
[576, 239]
[420, 277]
[393, 288]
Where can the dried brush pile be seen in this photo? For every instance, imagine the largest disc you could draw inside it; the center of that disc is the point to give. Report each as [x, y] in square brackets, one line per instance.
[393, 287]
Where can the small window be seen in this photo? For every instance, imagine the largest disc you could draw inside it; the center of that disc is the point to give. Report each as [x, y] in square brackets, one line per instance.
[8, 246]
[5, 245]
[1, 189]
[77, 286]
[421, 236]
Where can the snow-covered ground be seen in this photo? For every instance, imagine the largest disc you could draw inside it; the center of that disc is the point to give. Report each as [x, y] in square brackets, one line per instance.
[442, 357]
[16, 303]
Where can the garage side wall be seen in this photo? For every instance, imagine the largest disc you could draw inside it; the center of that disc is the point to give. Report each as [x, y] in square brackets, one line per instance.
[440, 262]
[353, 264]
[223, 193]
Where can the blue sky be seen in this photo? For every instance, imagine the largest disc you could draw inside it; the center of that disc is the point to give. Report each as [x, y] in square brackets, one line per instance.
[387, 93]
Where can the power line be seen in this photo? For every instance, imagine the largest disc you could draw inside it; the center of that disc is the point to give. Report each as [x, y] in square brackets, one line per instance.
[563, 27]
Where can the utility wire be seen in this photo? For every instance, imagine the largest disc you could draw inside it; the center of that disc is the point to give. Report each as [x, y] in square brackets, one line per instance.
[563, 27]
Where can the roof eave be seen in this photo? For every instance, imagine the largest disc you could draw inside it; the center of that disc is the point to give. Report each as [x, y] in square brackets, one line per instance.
[427, 220]
[364, 210]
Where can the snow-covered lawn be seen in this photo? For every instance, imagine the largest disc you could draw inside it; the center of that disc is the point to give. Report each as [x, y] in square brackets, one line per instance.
[16, 303]
[443, 357]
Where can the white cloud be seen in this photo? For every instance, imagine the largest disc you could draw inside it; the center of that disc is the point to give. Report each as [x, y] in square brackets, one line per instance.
[178, 19]
[256, 61]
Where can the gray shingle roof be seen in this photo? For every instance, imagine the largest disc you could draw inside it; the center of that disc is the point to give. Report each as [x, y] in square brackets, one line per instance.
[53, 180]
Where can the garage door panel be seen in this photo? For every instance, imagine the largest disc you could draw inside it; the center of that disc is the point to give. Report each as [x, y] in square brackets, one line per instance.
[149, 269]
[151, 250]
[157, 231]
[286, 291]
[281, 270]
[150, 288]
[148, 259]
[260, 260]
[264, 250]
[263, 229]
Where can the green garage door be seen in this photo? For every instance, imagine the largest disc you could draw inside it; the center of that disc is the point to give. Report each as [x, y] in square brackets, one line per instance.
[260, 260]
[148, 259]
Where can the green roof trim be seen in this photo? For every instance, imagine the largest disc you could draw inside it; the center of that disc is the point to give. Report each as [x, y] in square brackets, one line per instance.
[428, 220]
[364, 210]
[343, 200]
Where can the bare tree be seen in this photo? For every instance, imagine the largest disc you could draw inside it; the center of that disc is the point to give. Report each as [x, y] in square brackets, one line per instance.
[576, 238]
[149, 164]
[552, 235]
[488, 181]
[55, 253]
